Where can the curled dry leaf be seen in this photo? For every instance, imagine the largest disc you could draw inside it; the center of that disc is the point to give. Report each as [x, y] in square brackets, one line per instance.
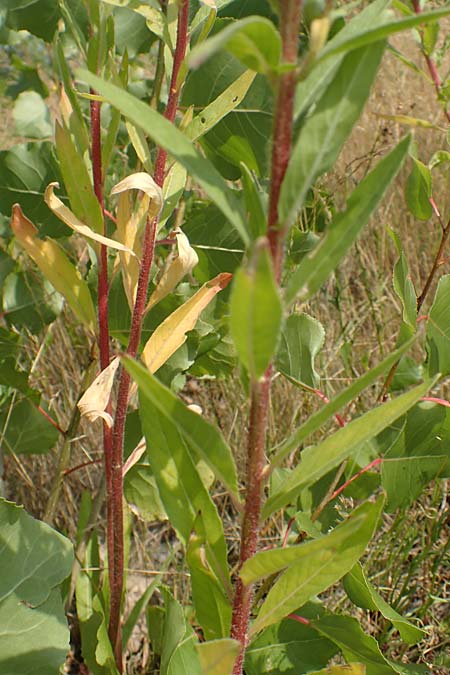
[56, 267]
[171, 333]
[70, 219]
[177, 266]
[142, 181]
[135, 456]
[96, 397]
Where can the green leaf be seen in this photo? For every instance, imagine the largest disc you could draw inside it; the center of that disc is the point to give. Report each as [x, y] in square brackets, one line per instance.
[323, 134]
[217, 657]
[363, 594]
[180, 486]
[438, 330]
[29, 300]
[301, 340]
[309, 89]
[38, 17]
[138, 608]
[418, 191]
[287, 648]
[202, 437]
[31, 116]
[35, 560]
[212, 607]
[175, 142]
[256, 210]
[256, 312]
[254, 41]
[417, 455]
[403, 285]
[141, 493]
[244, 134]
[370, 34]
[25, 172]
[25, 430]
[220, 106]
[178, 650]
[348, 635]
[315, 267]
[316, 461]
[77, 181]
[311, 567]
[319, 418]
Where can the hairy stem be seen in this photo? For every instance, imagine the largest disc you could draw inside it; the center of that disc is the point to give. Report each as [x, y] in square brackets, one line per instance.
[260, 394]
[117, 558]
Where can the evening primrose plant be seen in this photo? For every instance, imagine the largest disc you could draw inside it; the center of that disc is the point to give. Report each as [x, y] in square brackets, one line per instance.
[162, 214]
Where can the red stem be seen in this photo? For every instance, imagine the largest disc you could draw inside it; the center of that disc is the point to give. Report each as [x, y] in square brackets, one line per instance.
[345, 485]
[432, 69]
[117, 558]
[103, 289]
[51, 420]
[260, 395]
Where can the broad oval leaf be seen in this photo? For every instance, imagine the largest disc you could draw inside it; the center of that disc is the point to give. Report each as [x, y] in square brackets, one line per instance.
[418, 191]
[35, 560]
[438, 330]
[302, 338]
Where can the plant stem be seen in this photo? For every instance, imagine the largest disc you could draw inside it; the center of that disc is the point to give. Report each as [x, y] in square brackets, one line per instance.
[116, 561]
[260, 392]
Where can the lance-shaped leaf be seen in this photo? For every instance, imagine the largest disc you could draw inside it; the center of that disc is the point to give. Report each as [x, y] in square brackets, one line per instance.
[217, 657]
[220, 106]
[316, 461]
[212, 606]
[403, 284]
[172, 332]
[438, 329]
[255, 41]
[177, 266]
[329, 558]
[173, 188]
[178, 145]
[76, 177]
[56, 267]
[363, 594]
[301, 339]
[370, 34]
[69, 218]
[323, 134]
[96, 397]
[418, 191]
[182, 491]
[256, 311]
[348, 635]
[201, 436]
[324, 258]
[342, 399]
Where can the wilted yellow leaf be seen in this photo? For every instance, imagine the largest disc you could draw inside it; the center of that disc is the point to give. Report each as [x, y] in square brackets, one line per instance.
[70, 219]
[96, 397]
[142, 181]
[177, 266]
[348, 669]
[171, 333]
[55, 266]
[129, 231]
[134, 456]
